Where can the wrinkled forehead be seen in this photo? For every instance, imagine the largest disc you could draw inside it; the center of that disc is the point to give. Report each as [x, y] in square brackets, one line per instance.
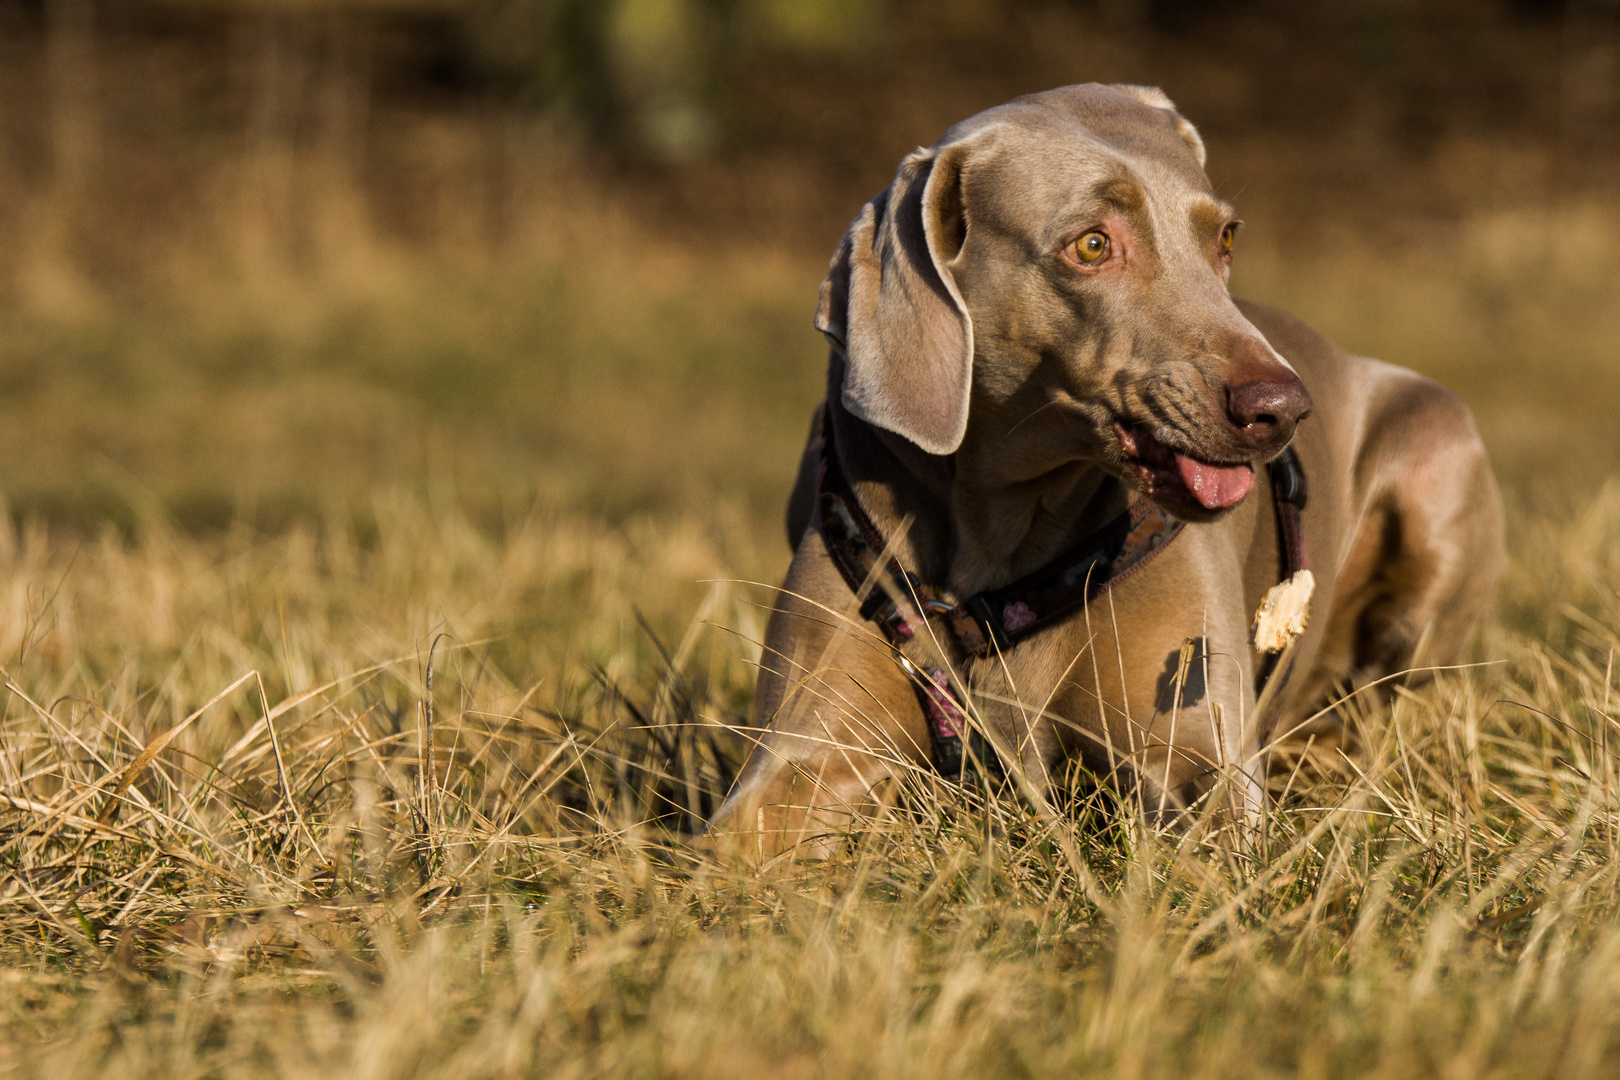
[1051, 160]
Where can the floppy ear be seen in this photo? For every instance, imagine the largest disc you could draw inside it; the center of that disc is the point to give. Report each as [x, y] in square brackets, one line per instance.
[1158, 99]
[890, 304]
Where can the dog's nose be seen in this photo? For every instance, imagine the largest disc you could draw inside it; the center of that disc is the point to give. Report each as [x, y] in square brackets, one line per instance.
[1265, 412]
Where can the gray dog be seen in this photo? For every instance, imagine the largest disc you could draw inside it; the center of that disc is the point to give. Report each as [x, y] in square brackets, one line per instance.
[1024, 524]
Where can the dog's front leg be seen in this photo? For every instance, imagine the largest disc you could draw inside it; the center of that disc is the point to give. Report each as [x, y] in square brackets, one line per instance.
[835, 718]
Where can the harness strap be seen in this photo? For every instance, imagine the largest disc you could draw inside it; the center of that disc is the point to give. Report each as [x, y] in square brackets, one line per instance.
[1051, 593]
[1288, 494]
[891, 603]
[899, 603]
[994, 618]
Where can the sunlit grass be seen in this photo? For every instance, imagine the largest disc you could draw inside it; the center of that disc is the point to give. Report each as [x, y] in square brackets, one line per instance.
[302, 895]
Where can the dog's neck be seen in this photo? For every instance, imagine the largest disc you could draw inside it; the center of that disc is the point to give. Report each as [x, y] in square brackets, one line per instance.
[1007, 529]
[959, 521]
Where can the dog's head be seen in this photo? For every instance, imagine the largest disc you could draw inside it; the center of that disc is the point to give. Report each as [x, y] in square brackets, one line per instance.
[1048, 282]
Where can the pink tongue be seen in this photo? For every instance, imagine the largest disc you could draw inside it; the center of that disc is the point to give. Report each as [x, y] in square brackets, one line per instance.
[1216, 487]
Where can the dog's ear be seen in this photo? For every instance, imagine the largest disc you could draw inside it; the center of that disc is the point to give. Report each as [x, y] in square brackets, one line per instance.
[890, 304]
[1158, 99]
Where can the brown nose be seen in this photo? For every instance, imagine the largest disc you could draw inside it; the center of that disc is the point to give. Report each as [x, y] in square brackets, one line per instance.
[1265, 412]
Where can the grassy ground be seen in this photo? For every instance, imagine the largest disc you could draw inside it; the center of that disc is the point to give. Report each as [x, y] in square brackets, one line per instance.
[376, 620]
[224, 857]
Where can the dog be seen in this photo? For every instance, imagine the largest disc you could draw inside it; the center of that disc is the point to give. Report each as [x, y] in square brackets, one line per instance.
[1033, 350]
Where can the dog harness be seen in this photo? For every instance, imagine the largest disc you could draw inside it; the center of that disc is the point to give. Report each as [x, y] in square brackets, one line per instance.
[901, 605]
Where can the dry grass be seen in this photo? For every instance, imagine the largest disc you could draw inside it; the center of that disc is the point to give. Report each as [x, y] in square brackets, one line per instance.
[223, 855]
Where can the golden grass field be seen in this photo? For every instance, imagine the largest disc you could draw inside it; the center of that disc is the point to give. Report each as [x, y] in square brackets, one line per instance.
[379, 615]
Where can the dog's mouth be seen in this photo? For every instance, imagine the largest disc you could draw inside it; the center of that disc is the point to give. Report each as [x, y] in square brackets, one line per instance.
[1170, 476]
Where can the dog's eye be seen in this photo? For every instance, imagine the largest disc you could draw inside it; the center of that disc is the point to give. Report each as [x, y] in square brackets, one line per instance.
[1228, 235]
[1091, 247]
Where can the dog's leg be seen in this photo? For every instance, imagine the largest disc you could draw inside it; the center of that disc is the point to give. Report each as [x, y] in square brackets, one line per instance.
[835, 719]
[1153, 686]
[1422, 565]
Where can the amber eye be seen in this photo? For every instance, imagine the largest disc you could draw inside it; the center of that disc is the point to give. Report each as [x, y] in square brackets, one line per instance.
[1228, 234]
[1091, 247]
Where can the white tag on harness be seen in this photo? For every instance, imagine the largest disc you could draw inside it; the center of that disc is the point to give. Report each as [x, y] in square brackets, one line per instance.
[1284, 613]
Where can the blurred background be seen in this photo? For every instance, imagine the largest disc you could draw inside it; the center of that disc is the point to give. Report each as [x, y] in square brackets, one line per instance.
[260, 259]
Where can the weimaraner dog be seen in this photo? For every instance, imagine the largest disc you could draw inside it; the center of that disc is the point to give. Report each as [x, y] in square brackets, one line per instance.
[1036, 515]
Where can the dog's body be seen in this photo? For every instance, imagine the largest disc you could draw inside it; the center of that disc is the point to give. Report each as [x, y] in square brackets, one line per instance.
[1031, 328]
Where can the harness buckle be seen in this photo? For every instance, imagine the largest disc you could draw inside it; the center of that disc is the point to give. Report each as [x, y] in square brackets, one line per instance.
[978, 606]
